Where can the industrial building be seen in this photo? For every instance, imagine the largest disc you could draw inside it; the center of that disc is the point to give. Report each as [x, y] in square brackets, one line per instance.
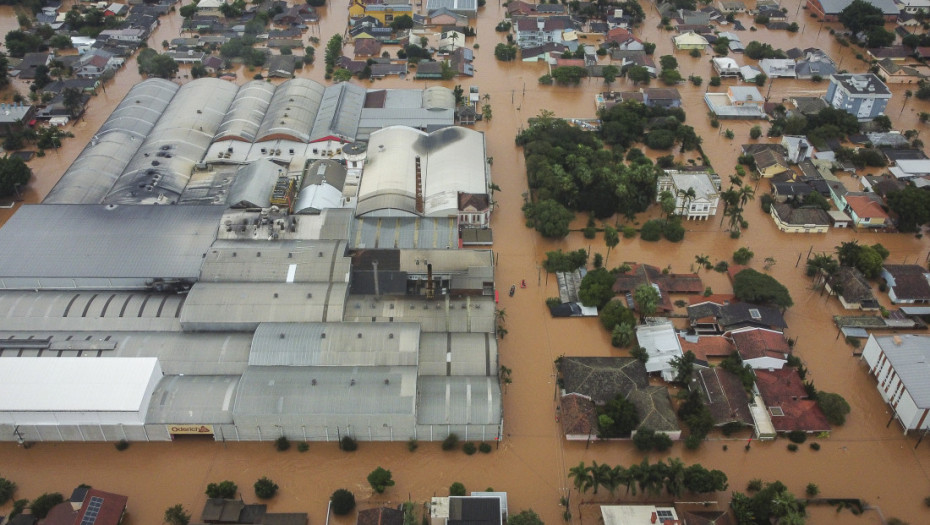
[254, 308]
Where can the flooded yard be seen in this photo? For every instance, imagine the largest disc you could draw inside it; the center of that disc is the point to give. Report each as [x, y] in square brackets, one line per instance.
[867, 458]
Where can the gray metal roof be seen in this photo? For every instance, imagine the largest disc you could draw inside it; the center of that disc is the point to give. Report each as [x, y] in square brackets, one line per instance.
[89, 310]
[458, 354]
[161, 168]
[459, 400]
[469, 314]
[834, 7]
[251, 188]
[909, 355]
[243, 306]
[192, 399]
[292, 111]
[298, 261]
[404, 232]
[306, 391]
[373, 119]
[335, 344]
[321, 187]
[438, 97]
[246, 112]
[340, 111]
[105, 242]
[95, 170]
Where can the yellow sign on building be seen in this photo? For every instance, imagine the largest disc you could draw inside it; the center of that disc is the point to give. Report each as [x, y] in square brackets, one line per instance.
[190, 429]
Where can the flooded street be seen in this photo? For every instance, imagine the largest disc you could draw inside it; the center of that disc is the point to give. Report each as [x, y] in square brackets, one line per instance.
[864, 459]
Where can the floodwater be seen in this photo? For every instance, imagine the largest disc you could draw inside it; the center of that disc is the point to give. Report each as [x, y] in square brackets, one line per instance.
[865, 459]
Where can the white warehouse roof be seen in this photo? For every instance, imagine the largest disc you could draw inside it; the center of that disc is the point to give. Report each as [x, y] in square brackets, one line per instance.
[76, 384]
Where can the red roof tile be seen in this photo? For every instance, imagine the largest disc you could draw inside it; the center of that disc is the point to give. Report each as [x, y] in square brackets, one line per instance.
[759, 342]
[707, 346]
[578, 415]
[784, 391]
[865, 207]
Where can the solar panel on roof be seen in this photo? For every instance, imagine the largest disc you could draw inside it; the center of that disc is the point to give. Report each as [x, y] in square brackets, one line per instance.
[93, 509]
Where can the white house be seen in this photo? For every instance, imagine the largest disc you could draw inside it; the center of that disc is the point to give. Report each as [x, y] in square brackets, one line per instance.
[700, 203]
[725, 66]
[778, 67]
[799, 148]
[658, 337]
[901, 365]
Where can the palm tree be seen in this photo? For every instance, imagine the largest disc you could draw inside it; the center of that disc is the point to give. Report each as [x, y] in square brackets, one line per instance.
[614, 479]
[611, 239]
[581, 478]
[600, 475]
[746, 194]
[623, 334]
[623, 476]
[702, 261]
[655, 477]
[675, 477]
[687, 197]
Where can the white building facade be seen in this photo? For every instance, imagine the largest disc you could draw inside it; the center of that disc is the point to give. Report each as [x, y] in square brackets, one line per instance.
[900, 365]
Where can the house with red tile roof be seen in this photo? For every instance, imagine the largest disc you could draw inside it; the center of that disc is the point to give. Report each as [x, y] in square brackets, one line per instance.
[578, 417]
[866, 212]
[724, 395]
[706, 347]
[761, 348]
[88, 505]
[783, 393]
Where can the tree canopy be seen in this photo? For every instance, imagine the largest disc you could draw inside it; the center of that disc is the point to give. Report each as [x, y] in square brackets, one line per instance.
[224, 490]
[617, 418]
[13, 172]
[550, 218]
[380, 479]
[559, 261]
[596, 288]
[773, 504]
[176, 515]
[155, 65]
[754, 287]
[526, 517]
[866, 259]
[912, 206]
[834, 406]
[615, 313]
[861, 16]
[646, 298]
[343, 502]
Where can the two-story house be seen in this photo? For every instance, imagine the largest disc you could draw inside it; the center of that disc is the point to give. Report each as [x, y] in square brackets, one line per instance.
[697, 193]
[862, 95]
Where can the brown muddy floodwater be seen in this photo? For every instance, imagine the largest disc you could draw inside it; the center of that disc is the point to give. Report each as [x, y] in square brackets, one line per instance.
[863, 459]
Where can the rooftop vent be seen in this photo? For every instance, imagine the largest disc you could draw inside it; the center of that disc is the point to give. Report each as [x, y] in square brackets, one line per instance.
[352, 383]
[387, 381]
[323, 335]
[359, 335]
[313, 382]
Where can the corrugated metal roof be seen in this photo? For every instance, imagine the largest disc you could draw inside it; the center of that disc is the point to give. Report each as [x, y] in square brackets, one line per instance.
[909, 355]
[144, 242]
[253, 184]
[246, 112]
[193, 399]
[308, 391]
[335, 344]
[340, 111]
[404, 232]
[469, 314]
[93, 173]
[301, 261]
[243, 306]
[292, 110]
[161, 168]
[458, 354]
[459, 400]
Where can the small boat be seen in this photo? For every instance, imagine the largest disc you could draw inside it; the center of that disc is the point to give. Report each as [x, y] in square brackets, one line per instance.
[523, 283]
[513, 289]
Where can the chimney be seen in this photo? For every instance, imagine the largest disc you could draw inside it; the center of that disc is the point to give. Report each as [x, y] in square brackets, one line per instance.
[429, 281]
[374, 265]
[419, 189]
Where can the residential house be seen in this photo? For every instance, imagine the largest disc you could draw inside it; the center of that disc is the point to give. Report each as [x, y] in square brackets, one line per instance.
[235, 511]
[689, 40]
[697, 193]
[657, 337]
[481, 508]
[352, 66]
[129, 35]
[907, 169]
[907, 283]
[893, 53]
[468, 8]
[778, 67]
[96, 62]
[88, 505]
[547, 52]
[15, 116]
[866, 211]
[381, 70]
[913, 7]
[798, 148]
[782, 392]
[665, 283]
[862, 95]
[295, 16]
[630, 514]
[449, 41]
[850, 287]
[622, 38]
[31, 61]
[790, 190]
[385, 13]
[770, 162]
[533, 32]
[629, 59]
[367, 47]
[749, 73]
[474, 210]
[814, 63]
[829, 10]
[461, 61]
[725, 67]
[739, 102]
[800, 220]
[213, 64]
[717, 317]
[901, 366]
[733, 41]
[446, 18]
[899, 74]
[116, 10]
[578, 416]
[724, 395]
[520, 8]
[281, 66]
[761, 347]
[732, 6]
[661, 97]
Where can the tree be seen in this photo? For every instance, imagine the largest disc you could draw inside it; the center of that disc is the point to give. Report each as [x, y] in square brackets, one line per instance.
[188, 10]
[617, 418]
[527, 517]
[154, 65]
[651, 230]
[176, 515]
[224, 490]
[265, 488]
[611, 239]
[13, 173]
[861, 16]
[646, 298]
[742, 256]
[596, 288]
[866, 259]
[755, 132]
[343, 502]
[457, 489]
[342, 75]
[580, 477]
[699, 480]
[670, 76]
[569, 74]
[668, 62]
[505, 52]
[550, 218]
[486, 113]
[638, 74]
[703, 261]
[623, 335]
[610, 74]
[7, 490]
[754, 287]
[615, 313]
[380, 479]
[401, 23]
[833, 406]
[684, 367]
[912, 206]
[43, 504]
[333, 51]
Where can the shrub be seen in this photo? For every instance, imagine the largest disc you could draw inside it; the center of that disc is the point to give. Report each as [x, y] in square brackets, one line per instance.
[681, 303]
[853, 341]
[721, 266]
[743, 255]
[303, 446]
[815, 446]
[7, 489]
[731, 428]
[552, 302]
[673, 230]
[755, 485]
[792, 447]
[927, 501]
[652, 230]
[121, 445]
[812, 490]
[380, 479]
[485, 448]
[695, 53]
[457, 489]
[282, 444]
[265, 488]
[348, 444]
[469, 448]
[223, 490]
[797, 436]
[343, 502]
[639, 353]
[44, 503]
[833, 406]
[451, 442]
[629, 232]
[693, 442]
[412, 444]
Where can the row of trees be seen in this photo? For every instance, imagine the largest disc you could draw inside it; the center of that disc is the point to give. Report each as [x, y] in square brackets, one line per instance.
[674, 477]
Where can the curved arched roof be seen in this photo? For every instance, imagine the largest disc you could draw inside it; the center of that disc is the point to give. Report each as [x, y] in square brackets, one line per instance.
[438, 97]
[246, 112]
[340, 111]
[93, 173]
[163, 164]
[292, 111]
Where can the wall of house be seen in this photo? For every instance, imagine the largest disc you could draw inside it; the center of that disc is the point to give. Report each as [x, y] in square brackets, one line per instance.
[797, 228]
[890, 387]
